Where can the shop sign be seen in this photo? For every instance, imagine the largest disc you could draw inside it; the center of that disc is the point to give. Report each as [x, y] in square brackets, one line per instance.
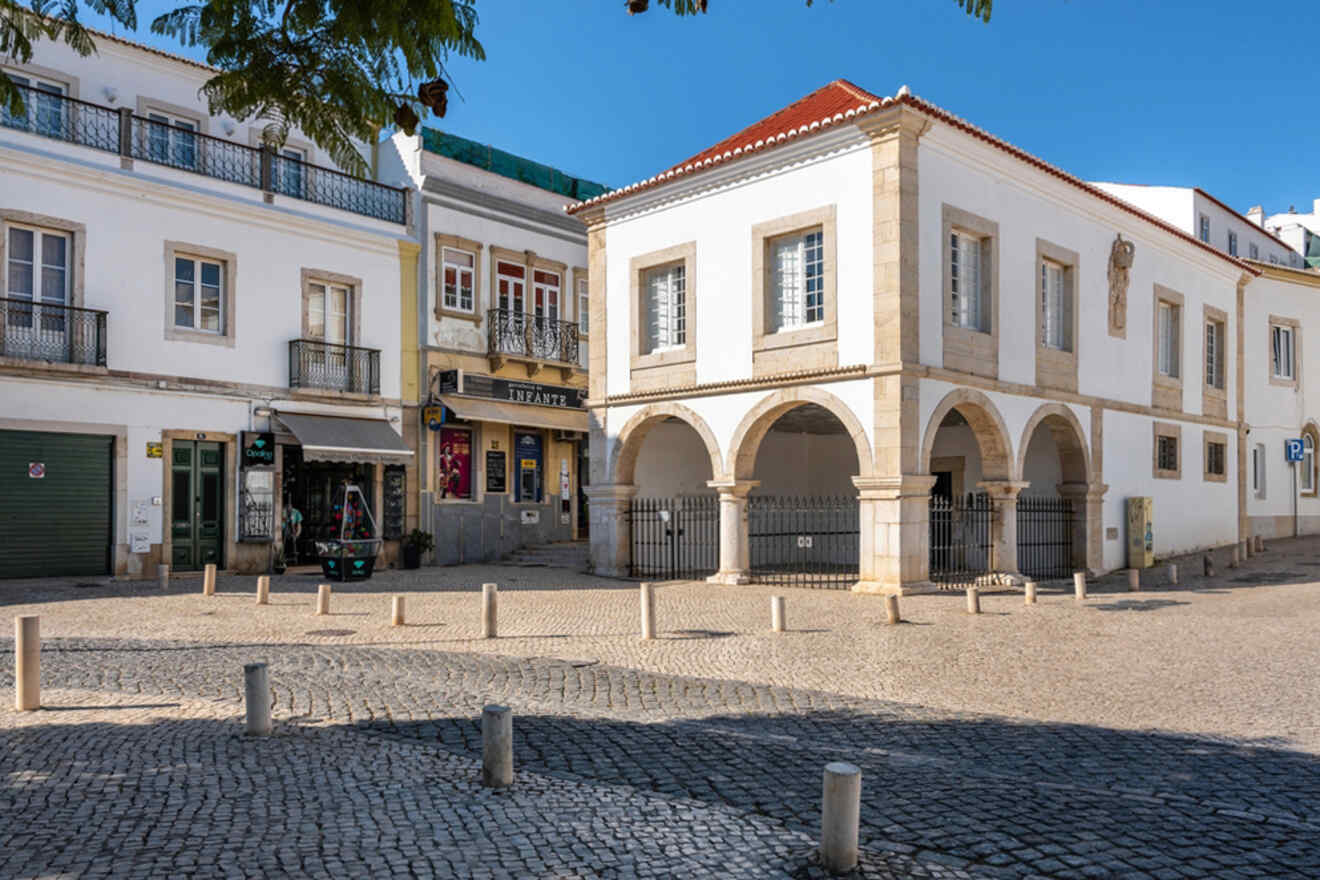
[155, 450]
[511, 390]
[496, 471]
[454, 465]
[37, 470]
[258, 449]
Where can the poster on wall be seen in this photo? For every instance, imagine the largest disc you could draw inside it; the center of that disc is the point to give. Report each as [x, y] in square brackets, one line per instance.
[454, 464]
[495, 471]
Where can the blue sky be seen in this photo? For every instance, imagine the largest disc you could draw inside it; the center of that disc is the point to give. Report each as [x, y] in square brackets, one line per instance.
[1210, 93]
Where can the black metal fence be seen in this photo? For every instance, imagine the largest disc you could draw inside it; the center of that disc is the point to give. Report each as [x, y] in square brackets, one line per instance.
[522, 335]
[804, 541]
[317, 364]
[960, 538]
[1045, 537]
[41, 331]
[675, 538]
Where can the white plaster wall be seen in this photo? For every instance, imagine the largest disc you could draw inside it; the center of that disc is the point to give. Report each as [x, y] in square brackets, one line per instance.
[1172, 204]
[958, 441]
[720, 222]
[1042, 467]
[1222, 222]
[672, 461]
[806, 465]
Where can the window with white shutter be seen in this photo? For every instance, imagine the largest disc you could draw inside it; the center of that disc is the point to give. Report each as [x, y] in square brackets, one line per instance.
[1281, 339]
[1169, 352]
[1054, 307]
[966, 281]
[666, 308]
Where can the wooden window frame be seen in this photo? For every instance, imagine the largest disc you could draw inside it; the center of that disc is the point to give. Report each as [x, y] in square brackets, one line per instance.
[672, 367]
[1057, 367]
[1209, 438]
[969, 350]
[1167, 430]
[1214, 398]
[810, 346]
[1167, 391]
[228, 296]
[1295, 326]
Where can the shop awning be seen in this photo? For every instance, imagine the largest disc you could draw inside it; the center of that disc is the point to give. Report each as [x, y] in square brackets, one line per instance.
[478, 410]
[330, 438]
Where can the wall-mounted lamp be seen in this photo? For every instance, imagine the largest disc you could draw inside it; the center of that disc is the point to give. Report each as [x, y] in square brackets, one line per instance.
[228, 128]
[263, 411]
[111, 94]
[394, 420]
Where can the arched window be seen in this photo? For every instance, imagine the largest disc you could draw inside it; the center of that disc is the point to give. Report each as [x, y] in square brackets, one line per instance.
[1308, 461]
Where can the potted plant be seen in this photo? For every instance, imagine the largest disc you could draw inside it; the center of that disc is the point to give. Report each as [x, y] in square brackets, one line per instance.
[415, 543]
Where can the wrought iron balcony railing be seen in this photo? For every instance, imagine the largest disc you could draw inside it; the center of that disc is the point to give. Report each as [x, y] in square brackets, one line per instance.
[41, 331]
[148, 140]
[317, 364]
[517, 334]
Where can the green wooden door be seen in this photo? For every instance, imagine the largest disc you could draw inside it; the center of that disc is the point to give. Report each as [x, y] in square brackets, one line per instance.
[197, 504]
[55, 504]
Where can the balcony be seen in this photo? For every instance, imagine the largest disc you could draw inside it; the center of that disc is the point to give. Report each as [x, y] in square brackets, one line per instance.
[332, 367]
[146, 140]
[39, 331]
[534, 341]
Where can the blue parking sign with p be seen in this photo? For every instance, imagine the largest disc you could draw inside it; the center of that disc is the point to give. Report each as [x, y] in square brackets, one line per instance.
[1292, 448]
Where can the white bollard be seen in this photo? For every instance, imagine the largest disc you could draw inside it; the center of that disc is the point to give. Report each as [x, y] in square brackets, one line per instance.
[263, 590]
[647, 597]
[163, 576]
[496, 746]
[973, 600]
[1248, 549]
[841, 806]
[256, 687]
[1237, 557]
[396, 612]
[489, 609]
[1173, 573]
[1134, 579]
[891, 610]
[1030, 593]
[27, 662]
[1208, 566]
[777, 614]
[1260, 543]
[322, 599]
[208, 579]
[1079, 585]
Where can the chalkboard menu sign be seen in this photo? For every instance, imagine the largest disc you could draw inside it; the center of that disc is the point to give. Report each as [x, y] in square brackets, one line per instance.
[495, 471]
[392, 516]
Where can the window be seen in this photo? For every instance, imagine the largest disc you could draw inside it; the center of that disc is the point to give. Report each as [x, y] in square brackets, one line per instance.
[1253, 251]
[289, 171]
[1281, 339]
[1307, 465]
[545, 294]
[328, 309]
[198, 286]
[1205, 229]
[510, 286]
[664, 295]
[171, 140]
[1214, 354]
[1053, 306]
[44, 109]
[1258, 469]
[1232, 243]
[583, 305]
[798, 263]
[1169, 351]
[1215, 457]
[459, 269]
[37, 267]
[965, 276]
[1167, 453]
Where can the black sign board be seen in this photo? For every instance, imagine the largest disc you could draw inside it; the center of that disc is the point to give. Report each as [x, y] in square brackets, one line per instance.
[480, 385]
[392, 516]
[496, 472]
[258, 449]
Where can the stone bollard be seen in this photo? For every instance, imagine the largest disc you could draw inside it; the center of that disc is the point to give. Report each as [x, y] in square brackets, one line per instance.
[1248, 550]
[1030, 592]
[1173, 573]
[27, 662]
[396, 612]
[208, 579]
[777, 614]
[256, 687]
[1236, 559]
[891, 610]
[322, 599]
[1134, 579]
[1079, 585]
[647, 596]
[1260, 543]
[841, 803]
[263, 590]
[1208, 565]
[489, 597]
[973, 600]
[163, 576]
[496, 746]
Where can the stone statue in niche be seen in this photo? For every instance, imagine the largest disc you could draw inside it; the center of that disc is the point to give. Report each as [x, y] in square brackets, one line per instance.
[1120, 265]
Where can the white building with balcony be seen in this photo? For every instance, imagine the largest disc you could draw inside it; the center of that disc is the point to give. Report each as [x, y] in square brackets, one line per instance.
[199, 337]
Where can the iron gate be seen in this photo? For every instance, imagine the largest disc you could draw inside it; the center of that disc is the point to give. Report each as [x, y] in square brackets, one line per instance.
[803, 541]
[960, 532]
[674, 538]
[1045, 537]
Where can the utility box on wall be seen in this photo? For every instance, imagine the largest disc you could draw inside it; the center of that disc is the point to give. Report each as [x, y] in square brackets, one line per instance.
[1140, 532]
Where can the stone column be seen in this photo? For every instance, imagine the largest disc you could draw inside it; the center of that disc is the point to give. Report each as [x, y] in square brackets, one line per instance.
[895, 534]
[735, 558]
[611, 547]
[1088, 525]
[1003, 533]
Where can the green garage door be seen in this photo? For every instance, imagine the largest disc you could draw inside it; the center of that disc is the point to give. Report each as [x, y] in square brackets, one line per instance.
[55, 504]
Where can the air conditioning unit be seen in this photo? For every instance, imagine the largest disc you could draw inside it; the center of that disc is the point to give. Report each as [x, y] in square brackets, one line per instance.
[567, 436]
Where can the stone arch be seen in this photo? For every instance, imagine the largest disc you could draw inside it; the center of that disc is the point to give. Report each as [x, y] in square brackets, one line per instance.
[623, 457]
[1312, 430]
[1069, 439]
[987, 425]
[754, 425]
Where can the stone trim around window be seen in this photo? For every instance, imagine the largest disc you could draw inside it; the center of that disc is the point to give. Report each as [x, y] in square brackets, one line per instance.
[443, 241]
[814, 347]
[1056, 368]
[147, 105]
[228, 304]
[1166, 392]
[1277, 321]
[967, 350]
[1166, 429]
[50, 74]
[1309, 430]
[77, 254]
[1208, 437]
[1214, 400]
[675, 367]
[354, 285]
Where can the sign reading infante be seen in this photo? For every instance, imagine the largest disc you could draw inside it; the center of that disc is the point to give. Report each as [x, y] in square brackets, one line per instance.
[479, 385]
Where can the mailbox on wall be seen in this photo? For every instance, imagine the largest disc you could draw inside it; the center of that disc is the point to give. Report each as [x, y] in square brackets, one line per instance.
[1141, 536]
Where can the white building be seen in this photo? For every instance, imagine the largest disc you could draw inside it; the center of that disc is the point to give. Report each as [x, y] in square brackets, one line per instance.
[495, 396]
[1300, 231]
[176, 303]
[873, 298]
